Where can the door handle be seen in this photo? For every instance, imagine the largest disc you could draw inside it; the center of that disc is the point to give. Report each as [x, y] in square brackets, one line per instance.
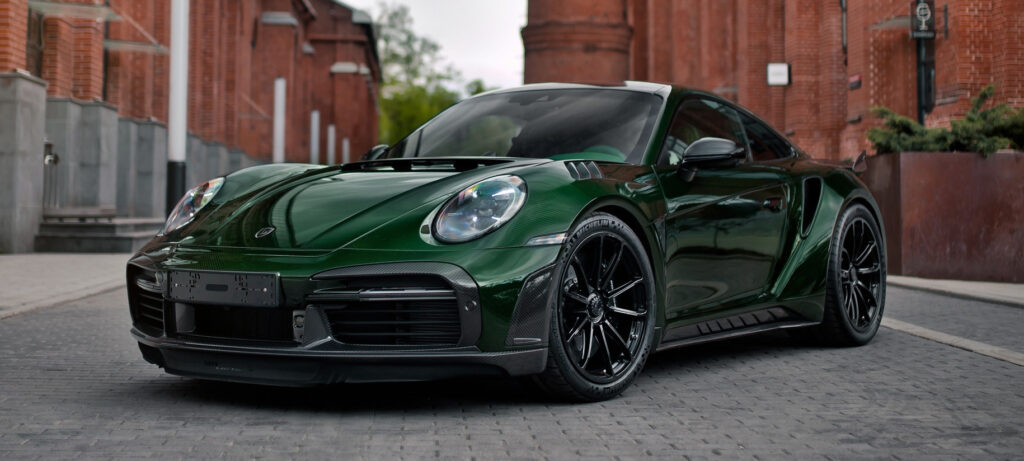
[773, 204]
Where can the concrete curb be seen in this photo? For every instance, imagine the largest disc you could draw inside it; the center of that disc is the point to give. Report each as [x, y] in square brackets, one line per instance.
[61, 299]
[956, 294]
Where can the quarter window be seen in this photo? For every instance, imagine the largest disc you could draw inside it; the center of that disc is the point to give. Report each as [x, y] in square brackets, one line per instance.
[765, 145]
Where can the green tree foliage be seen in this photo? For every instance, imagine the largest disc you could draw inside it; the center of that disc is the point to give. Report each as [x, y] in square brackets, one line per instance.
[413, 88]
[981, 130]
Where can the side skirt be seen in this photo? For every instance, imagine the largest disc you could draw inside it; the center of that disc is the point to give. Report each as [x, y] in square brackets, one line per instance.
[774, 318]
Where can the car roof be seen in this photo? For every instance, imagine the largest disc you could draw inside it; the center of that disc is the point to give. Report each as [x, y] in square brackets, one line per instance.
[644, 87]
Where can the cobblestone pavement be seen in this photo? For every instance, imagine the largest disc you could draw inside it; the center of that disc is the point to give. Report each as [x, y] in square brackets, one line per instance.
[73, 385]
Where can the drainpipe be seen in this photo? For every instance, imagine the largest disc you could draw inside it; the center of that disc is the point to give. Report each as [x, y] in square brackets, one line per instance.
[330, 144]
[177, 107]
[279, 101]
[314, 137]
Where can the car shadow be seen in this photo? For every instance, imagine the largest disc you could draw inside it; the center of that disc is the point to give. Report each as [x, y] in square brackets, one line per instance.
[490, 393]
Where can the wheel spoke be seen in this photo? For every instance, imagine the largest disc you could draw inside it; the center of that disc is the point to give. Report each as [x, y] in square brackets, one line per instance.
[606, 277]
[607, 351]
[631, 313]
[863, 256]
[575, 296]
[858, 307]
[622, 342]
[581, 274]
[872, 269]
[580, 323]
[851, 304]
[624, 288]
[867, 295]
[588, 346]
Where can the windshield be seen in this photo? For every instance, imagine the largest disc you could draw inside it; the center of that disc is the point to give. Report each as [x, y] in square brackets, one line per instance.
[595, 124]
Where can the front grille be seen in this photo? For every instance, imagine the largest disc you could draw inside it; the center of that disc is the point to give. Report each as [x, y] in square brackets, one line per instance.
[145, 300]
[248, 323]
[393, 314]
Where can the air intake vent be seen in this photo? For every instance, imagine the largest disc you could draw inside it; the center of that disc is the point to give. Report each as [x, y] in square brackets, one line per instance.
[391, 312]
[812, 197]
[146, 300]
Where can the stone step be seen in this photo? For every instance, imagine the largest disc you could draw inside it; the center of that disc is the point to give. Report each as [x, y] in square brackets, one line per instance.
[79, 214]
[114, 226]
[127, 242]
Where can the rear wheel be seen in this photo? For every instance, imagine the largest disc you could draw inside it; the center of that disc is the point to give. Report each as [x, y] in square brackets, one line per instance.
[603, 317]
[855, 290]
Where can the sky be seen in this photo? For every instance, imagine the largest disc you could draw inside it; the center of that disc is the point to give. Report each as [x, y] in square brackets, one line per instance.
[480, 38]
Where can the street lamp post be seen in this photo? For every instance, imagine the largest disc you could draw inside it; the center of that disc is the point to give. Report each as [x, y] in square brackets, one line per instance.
[922, 30]
[177, 110]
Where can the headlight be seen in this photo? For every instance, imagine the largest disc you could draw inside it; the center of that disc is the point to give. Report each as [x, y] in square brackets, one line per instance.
[193, 201]
[481, 208]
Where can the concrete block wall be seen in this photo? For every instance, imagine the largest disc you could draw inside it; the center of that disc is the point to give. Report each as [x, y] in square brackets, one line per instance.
[121, 163]
[141, 168]
[85, 137]
[22, 115]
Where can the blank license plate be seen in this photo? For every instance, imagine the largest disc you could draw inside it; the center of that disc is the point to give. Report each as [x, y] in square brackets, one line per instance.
[224, 288]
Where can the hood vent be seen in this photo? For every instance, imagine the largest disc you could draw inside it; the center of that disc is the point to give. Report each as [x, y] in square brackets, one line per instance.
[583, 170]
[425, 164]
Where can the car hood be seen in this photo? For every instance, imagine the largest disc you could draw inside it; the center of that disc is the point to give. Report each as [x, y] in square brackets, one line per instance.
[332, 207]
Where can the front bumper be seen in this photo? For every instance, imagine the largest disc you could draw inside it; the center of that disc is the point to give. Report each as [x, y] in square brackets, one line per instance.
[176, 333]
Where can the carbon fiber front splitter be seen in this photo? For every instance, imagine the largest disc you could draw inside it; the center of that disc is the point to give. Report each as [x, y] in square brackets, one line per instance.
[302, 367]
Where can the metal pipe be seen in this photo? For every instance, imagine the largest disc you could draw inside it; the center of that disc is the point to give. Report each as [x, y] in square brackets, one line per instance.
[314, 137]
[279, 110]
[177, 107]
[330, 144]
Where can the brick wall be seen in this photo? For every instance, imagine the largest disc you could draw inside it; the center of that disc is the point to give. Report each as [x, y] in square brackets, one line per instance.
[233, 61]
[724, 45]
[13, 30]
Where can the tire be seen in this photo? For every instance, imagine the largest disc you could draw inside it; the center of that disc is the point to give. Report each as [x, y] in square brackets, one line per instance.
[603, 316]
[855, 285]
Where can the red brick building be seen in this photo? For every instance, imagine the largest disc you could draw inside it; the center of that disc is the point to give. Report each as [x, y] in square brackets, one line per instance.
[115, 51]
[845, 56]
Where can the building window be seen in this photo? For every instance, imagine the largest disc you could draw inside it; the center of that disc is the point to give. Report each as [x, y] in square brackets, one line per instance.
[34, 43]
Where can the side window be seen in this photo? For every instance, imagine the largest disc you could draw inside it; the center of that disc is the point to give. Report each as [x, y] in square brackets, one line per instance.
[764, 144]
[700, 118]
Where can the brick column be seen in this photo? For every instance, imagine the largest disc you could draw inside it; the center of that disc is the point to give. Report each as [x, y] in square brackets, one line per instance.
[87, 59]
[577, 41]
[13, 34]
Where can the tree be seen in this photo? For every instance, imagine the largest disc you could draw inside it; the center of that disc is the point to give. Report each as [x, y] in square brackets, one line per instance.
[414, 75]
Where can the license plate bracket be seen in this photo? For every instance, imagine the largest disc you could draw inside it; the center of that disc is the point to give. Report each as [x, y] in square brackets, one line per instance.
[247, 289]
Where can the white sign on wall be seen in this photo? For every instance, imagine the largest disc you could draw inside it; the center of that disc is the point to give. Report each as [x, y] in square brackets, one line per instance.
[778, 74]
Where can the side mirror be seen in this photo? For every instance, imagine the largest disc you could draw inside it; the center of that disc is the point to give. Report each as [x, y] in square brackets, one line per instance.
[708, 151]
[375, 152]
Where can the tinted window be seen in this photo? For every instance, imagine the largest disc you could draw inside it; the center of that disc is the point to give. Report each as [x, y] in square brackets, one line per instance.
[700, 118]
[600, 124]
[764, 143]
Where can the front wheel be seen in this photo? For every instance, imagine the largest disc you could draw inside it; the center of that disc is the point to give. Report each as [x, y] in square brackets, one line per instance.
[603, 316]
[855, 290]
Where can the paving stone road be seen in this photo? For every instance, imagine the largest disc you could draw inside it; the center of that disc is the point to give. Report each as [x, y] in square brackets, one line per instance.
[73, 385]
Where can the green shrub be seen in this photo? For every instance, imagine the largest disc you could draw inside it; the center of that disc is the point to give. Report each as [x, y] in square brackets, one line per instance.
[984, 131]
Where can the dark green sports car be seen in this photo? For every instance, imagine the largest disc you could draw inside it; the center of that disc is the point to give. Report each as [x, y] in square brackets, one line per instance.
[561, 232]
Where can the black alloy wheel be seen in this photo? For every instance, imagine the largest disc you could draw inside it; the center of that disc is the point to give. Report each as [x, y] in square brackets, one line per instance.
[603, 317]
[855, 291]
[860, 273]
